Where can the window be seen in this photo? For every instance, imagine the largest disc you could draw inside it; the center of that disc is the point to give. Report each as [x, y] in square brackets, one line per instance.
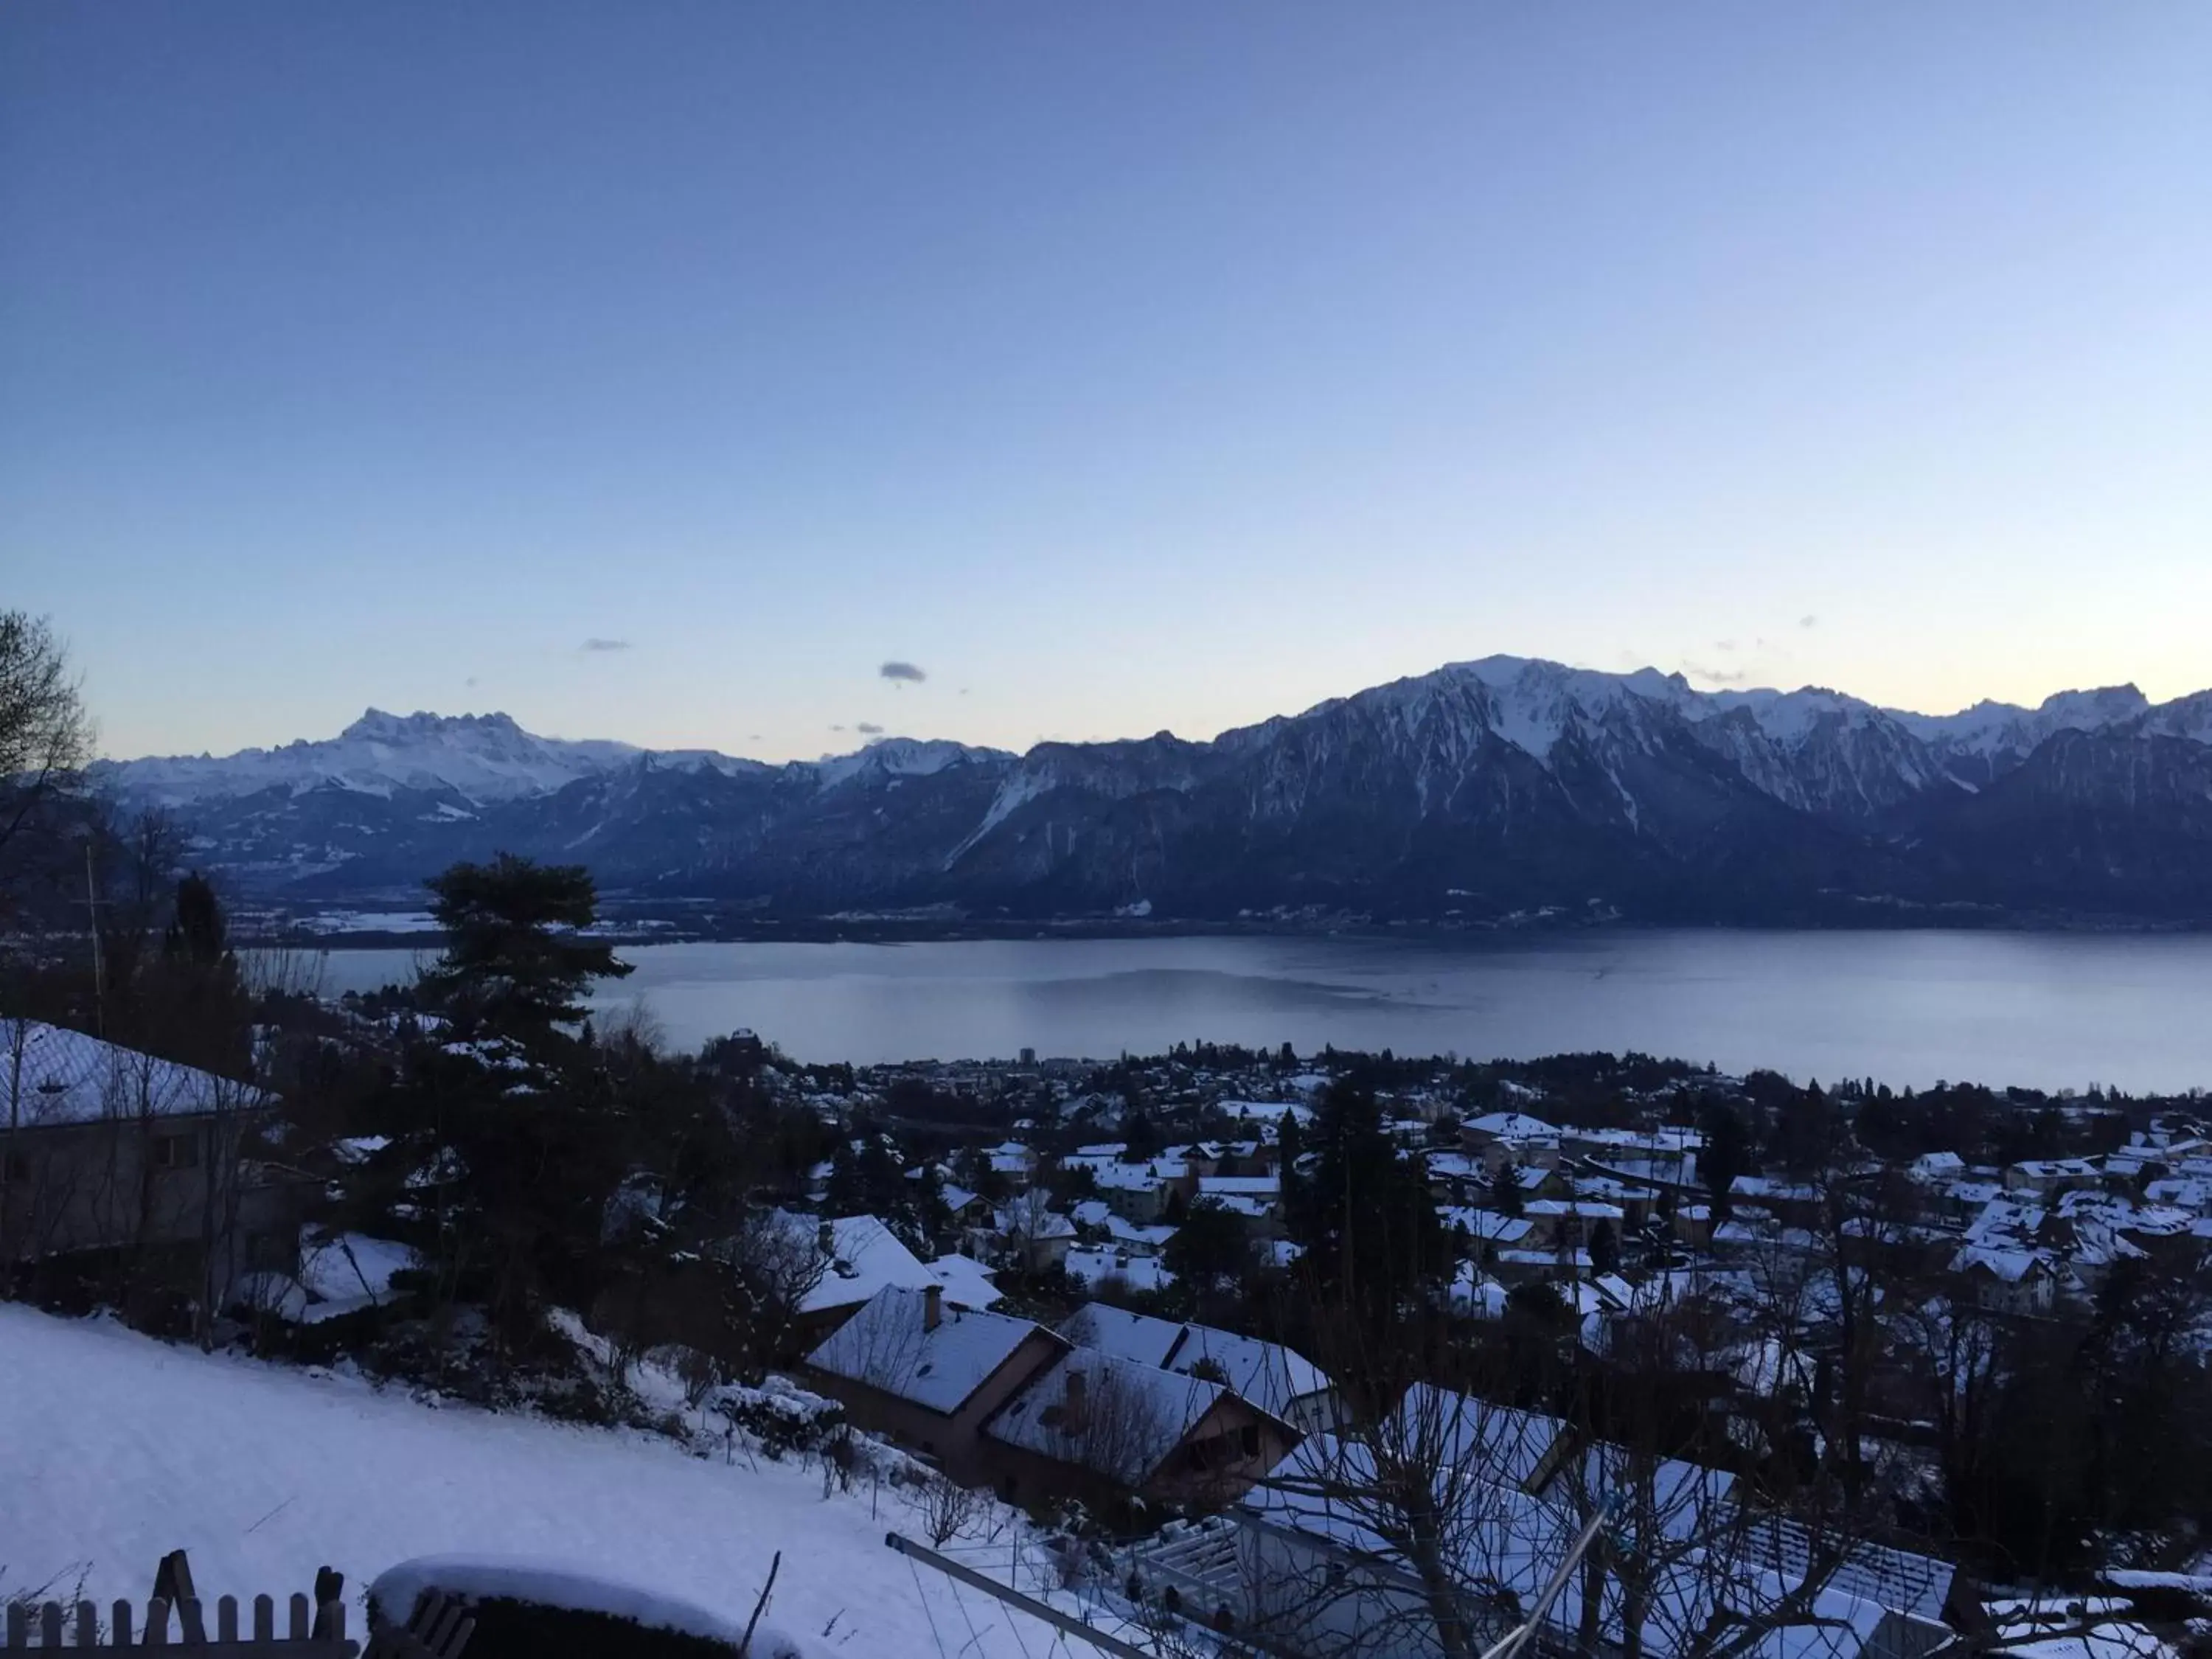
[16, 1166]
[176, 1152]
[1249, 1439]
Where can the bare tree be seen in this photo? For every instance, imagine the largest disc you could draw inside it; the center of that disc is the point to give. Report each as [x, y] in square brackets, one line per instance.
[773, 1262]
[947, 1508]
[45, 737]
[1438, 1522]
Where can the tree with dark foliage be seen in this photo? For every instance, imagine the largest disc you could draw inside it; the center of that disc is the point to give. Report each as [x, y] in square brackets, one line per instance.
[1365, 1218]
[515, 963]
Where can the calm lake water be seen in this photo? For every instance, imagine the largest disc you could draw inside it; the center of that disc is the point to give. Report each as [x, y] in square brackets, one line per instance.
[2046, 1009]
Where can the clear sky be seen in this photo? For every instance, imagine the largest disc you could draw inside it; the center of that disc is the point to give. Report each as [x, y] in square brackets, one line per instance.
[663, 370]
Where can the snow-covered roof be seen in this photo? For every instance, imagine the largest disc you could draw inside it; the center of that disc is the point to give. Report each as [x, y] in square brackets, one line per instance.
[890, 1346]
[1240, 1186]
[1268, 1373]
[966, 1281]
[1038, 1226]
[1140, 1272]
[1118, 1331]
[864, 1256]
[1511, 1126]
[67, 1077]
[1487, 1224]
[1134, 1415]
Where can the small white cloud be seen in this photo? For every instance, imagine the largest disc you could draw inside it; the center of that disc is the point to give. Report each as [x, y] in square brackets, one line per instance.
[1808, 620]
[597, 645]
[869, 729]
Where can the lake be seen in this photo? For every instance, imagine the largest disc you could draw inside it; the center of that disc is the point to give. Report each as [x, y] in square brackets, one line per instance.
[2045, 1010]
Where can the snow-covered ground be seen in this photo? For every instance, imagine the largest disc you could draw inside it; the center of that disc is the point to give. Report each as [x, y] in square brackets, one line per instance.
[115, 1449]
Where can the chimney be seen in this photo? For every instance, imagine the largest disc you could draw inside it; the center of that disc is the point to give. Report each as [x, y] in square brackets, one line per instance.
[933, 1306]
[1075, 1406]
[825, 1239]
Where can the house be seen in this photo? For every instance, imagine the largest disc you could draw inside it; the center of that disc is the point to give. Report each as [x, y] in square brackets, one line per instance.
[1487, 1228]
[1140, 1191]
[103, 1147]
[1931, 1169]
[2007, 1279]
[1254, 1195]
[911, 1365]
[1279, 1380]
[1503, 1138]
[1102, 1428]
[1032, 1235]
[1134, 1270]
[1568, 1222]
[2042, 1176]
[860, 1256]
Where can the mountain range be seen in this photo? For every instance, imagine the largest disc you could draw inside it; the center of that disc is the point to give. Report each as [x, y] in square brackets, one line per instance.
[1500, 789]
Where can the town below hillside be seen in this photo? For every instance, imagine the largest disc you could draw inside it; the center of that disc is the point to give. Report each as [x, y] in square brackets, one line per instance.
[1315, 1348]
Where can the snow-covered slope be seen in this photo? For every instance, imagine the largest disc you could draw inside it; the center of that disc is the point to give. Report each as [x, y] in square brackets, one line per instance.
[115, 1449]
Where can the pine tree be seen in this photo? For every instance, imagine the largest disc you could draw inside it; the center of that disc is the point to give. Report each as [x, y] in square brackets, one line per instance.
[516, 963]
[1365, 1218]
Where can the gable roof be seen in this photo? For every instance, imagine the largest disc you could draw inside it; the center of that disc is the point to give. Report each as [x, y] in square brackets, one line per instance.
[1124, 1334]
[67, 1077]
[888, 1346]
[1135, 1415]
[864, 1256]
[1265, 1374]
[966, 1281]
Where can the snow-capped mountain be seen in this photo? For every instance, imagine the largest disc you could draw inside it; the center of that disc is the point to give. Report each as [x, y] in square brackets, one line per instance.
[1480, 789]
[480, 758]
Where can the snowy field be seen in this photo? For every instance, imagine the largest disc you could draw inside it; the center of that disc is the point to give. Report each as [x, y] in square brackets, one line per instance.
[115, 1449]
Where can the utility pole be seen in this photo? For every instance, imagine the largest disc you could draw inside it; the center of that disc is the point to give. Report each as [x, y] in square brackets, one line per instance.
[92, 903]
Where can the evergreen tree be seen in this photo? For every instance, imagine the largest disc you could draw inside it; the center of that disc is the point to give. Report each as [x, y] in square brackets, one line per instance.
[1505, 1189]
[1365, 1218]
[523, 1133]
[516, 963]
[1726, 1153]
[1604, 1247]
[1212, 1248]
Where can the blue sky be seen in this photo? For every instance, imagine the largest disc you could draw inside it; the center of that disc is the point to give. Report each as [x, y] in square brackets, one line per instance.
[1121, 367]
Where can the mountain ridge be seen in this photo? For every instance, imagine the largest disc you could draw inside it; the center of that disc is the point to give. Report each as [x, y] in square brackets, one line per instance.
[1481, 789]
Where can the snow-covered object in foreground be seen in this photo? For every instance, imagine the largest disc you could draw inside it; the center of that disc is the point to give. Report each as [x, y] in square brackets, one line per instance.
[565, 1585]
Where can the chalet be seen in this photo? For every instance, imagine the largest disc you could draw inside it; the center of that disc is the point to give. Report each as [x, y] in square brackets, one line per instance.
[103, 1147]
[910, 1366]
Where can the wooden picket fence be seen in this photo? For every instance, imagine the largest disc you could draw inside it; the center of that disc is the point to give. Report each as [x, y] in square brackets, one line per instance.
[53, 1627]
[313, 1631]
[439, 1627]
